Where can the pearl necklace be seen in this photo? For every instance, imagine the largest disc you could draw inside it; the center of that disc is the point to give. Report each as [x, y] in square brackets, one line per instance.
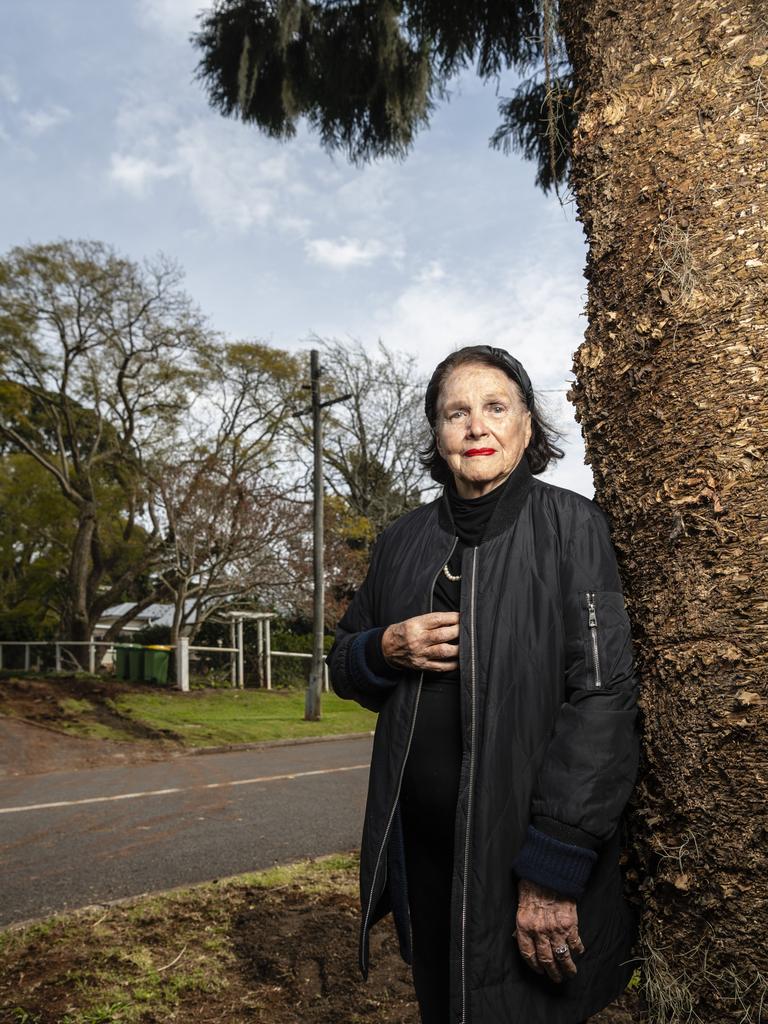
[449, 575]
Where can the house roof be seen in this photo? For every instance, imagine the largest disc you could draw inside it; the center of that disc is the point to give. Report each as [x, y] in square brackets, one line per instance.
[152, 615]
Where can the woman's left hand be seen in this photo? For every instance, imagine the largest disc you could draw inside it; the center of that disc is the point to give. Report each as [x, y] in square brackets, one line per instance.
[547, 925]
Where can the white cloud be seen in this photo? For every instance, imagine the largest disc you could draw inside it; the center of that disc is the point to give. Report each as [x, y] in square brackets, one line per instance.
[39, 121]
[433, 271]
[173, 17]
[237, 181]
[347, 252]
[9, 90]
[136, 174]
[241, 181]
[147, 121]
[370, 193]
[532, 312]
[294, 225]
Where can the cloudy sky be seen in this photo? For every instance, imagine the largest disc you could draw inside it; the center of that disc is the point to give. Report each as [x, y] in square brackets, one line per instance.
[106, 134]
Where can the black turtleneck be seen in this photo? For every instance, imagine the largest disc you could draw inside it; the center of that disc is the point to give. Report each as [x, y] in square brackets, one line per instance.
[470, 518]
[471, 515]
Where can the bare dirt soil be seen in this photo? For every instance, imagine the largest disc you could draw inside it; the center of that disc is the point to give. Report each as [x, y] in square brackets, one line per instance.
[245, 954]
[314, 964]
[36, 714]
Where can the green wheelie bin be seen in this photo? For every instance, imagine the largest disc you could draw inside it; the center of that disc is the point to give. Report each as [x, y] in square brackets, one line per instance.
[122, 663]
[156, 660]
[135, 663]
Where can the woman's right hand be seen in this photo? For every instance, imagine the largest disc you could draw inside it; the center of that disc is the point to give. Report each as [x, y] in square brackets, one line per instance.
[425, 642]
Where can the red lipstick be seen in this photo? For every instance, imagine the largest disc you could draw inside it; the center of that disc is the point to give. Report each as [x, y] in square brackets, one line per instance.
[471, 452]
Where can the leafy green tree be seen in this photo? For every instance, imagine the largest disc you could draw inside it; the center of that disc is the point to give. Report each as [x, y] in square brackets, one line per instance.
[36, 531]
[38, 527]
[96, 354]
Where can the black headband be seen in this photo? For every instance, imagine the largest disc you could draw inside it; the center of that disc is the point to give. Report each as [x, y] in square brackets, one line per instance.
[505, 361]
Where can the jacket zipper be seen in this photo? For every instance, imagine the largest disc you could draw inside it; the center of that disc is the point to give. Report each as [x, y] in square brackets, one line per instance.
[465, 897]
[593, 636]
[383, 846]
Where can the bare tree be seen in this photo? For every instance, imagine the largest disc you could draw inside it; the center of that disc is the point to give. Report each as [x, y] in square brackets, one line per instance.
[371, 440]
[226, 530]
[230, 500]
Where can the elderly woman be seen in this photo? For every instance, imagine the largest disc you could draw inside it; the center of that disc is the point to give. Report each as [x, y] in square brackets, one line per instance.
[490, 634]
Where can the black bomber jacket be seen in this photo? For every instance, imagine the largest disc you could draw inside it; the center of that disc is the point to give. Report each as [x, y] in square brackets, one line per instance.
[548, 700]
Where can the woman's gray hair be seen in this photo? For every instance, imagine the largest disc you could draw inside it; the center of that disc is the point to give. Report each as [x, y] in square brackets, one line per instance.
[542, 448]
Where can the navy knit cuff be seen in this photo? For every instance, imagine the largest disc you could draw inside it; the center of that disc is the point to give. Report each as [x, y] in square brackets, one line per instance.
[555, 865]
[374, 658]
[359, 663]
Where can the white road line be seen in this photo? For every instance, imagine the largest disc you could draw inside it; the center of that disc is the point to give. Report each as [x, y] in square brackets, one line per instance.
[182, 789]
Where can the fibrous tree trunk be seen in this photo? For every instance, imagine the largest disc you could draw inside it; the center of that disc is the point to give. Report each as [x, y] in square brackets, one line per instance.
[670, 173]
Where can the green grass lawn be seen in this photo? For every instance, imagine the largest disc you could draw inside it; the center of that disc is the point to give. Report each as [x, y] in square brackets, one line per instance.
[212, 717]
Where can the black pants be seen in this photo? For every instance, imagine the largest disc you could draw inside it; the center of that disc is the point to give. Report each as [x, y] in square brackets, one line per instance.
[428, 805]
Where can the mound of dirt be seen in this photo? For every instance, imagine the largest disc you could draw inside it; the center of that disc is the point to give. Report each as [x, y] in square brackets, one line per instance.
[298, 955]
[39, 719]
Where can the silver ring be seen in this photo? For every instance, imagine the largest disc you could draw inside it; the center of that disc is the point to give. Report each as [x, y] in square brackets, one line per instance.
[561, 952]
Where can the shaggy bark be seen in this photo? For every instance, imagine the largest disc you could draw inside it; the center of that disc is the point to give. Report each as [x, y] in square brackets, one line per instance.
[671, 181]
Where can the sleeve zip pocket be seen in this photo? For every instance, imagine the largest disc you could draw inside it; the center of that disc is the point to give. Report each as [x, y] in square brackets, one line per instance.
[593, 627]
[601, 654]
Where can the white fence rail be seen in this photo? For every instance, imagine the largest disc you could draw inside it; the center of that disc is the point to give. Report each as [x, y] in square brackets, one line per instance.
[300, 654]
[63, 658]
[60, 651]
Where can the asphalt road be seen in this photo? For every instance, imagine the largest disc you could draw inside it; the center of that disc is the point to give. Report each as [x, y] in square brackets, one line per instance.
[69, 839]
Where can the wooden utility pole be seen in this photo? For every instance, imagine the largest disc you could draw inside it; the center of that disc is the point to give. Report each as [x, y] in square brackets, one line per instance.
[315, 687]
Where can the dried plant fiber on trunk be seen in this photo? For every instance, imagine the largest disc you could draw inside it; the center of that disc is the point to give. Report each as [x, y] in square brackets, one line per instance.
[671, 181]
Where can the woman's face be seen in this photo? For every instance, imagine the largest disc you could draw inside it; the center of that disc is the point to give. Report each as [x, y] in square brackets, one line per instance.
[482, 428]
